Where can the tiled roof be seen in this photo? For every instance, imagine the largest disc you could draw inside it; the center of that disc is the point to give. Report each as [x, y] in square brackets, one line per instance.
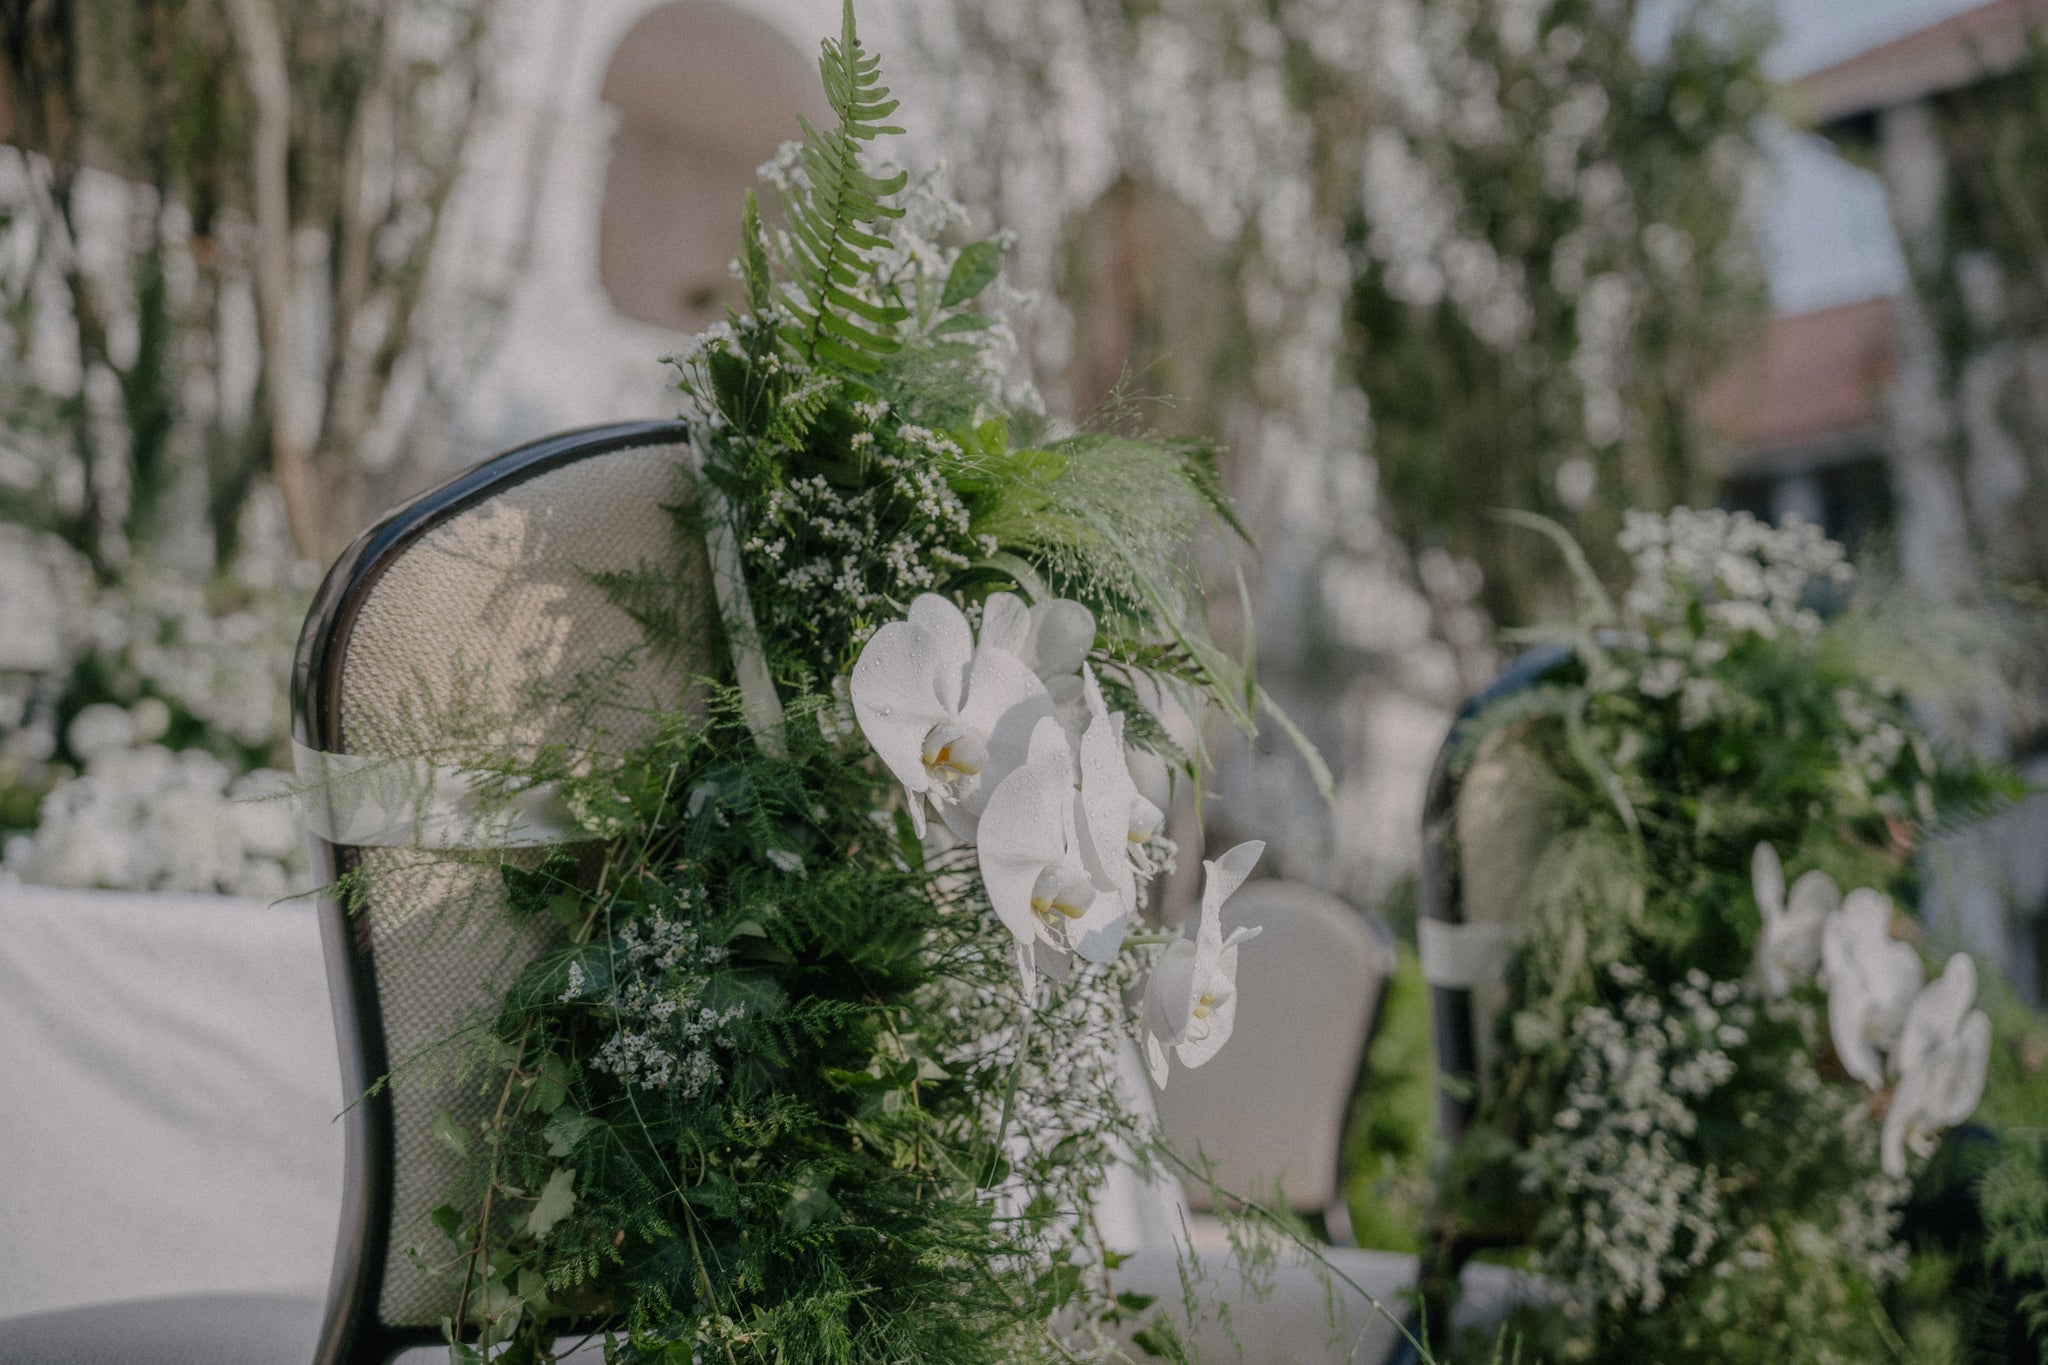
[1986, 40]
[1814, 377]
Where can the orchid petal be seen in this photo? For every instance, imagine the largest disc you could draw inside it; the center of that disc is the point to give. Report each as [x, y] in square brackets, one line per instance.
[1872, 979]
[1026, 829]
[1222, 1018]
[1936, 1013]
[1941, 1089]
[1006, 623]
[1107, 794]
[1062, 633]
[1767, 879]
[952, 643]
[1170, 993]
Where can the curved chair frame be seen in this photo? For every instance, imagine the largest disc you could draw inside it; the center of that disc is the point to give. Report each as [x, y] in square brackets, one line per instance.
[1440, 890]
[1440, 896]
[352, 1331]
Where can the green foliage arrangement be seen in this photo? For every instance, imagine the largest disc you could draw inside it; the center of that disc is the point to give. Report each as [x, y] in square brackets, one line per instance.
[1683, 1126]
[774, 1094]
[1559, 251]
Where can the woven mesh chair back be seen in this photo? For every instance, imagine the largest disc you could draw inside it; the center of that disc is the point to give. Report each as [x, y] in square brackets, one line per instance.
[482, 628]
[1491, 814]
[1268, 1111]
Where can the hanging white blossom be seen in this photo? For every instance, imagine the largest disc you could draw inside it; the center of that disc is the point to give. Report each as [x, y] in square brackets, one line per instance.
[1043, 880]
[949, 719]
[1942, 1060]
[1191, 999]
[1872, 979]
[1788, 948]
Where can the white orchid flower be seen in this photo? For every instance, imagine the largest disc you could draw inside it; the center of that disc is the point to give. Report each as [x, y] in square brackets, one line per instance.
[1871, 980]
[1053, 639]
[1788, 949]
[1943, 1058]
[1042, 880]
[949, 719]
[1936, 1013]
[1191, 998]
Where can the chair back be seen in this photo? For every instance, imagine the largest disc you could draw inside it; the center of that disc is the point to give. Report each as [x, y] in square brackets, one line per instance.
[1485, 824]
[1269, 1110]
[480, 624]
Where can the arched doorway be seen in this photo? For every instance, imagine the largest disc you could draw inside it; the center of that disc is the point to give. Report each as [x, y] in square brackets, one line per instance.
[704, 95]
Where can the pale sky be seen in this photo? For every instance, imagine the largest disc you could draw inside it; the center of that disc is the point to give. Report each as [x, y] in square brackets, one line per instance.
[1827, 234]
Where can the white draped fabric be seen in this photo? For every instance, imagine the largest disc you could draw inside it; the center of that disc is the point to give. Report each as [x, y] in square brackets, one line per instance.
[169, 1085]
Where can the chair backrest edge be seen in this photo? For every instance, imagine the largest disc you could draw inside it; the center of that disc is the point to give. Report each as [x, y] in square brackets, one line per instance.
[1440, 893]
[352, 1330]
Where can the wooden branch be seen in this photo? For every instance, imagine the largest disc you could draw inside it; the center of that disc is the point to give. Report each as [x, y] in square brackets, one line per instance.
[263, 67]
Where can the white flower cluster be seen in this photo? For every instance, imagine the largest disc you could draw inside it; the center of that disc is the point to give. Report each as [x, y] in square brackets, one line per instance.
[135, 815]
[825, 540]
[142, 818]
[1744, 576]
[667, 1033]
[1636, 1212]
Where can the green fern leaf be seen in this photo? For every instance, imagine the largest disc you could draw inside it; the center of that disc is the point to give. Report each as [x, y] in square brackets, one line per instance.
[836, 219]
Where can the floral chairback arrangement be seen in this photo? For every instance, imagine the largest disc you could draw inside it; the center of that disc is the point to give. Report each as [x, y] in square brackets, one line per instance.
[1711, 1095]
[823, 1065]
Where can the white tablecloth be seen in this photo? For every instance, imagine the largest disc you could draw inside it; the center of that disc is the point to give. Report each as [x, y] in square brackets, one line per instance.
[169, 1086]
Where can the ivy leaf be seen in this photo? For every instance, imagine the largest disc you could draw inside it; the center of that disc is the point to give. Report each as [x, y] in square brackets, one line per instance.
[809, 1203]
[556, 1200]
[973, 272]
[565, 1129]
[449, 1131]
[551, 1086]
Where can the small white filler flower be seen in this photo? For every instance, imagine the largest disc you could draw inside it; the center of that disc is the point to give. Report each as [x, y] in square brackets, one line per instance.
[1191, 999]
[948, 719]
[1788, 949]
[1871, 981]
[1942, 1060]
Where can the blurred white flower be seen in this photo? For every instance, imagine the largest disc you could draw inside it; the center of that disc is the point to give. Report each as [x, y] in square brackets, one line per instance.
[1942, 1060]
[99, 729]
[1872, 979]
[1191, 998]
[1037, 867]
[148, 819]
[1788, 947]
[948, 719]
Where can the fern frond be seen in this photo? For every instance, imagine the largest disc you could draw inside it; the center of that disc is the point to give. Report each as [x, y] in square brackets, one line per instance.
[836, 217]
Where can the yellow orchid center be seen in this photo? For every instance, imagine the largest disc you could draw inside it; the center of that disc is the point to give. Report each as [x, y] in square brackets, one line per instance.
[952, 752]
[1063, 892]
